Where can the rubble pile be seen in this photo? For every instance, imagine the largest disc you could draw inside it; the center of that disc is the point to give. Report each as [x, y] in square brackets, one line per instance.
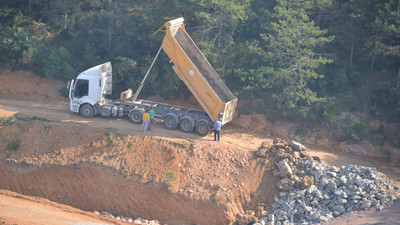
[128, 219]
[312, 192]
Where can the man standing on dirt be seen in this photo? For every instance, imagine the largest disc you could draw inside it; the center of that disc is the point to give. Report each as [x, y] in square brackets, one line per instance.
[217, 129]
[151, 117]
[146, 120]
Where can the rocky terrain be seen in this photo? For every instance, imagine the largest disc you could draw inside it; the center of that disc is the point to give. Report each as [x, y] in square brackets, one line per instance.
[313, 192]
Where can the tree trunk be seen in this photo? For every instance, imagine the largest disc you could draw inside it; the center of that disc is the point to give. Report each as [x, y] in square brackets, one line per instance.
[110, 27]
[30, 8]
[371, 67]
[219, 41]
[65, 19]
[351, 53]
[398, 79]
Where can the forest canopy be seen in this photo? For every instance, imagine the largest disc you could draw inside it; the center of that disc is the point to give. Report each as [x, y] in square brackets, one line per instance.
[305, 59]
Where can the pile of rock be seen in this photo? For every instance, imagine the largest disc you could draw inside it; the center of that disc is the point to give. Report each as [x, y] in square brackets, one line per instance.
[129, 219]
[312, 192]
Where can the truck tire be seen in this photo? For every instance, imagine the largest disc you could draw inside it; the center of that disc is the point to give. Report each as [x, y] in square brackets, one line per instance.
[136, 116]
[86, 111]
[186, 124]
[170, 121]
[202, 128]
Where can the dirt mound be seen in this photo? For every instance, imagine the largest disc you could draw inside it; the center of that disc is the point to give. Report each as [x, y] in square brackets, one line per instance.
[24, 85]
[207, 182]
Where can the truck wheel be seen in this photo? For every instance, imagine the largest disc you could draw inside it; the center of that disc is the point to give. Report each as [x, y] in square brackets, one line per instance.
[202, 128]
[186, 124]
[86, 111]
[136, 116]
[170, 122]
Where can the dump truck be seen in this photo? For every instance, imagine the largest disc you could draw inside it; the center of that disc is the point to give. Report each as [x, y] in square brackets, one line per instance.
[87, 92]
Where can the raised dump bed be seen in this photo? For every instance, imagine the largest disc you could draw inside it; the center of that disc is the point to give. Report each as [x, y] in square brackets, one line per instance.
[197, 73]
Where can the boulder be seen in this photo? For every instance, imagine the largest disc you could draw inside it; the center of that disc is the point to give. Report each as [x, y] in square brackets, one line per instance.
[297, 146]
[366, 204]
[285, 184]
[305, 182]
[265, 144]
[331, 186]
[261, 152]
[284, 169]
[244, 219]
[323, 182]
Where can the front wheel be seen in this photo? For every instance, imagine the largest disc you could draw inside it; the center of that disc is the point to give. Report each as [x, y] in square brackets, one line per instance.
[202, 128]
[86, 111]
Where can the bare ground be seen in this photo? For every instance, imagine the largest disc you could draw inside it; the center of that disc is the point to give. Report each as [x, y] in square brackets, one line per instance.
[69, 160]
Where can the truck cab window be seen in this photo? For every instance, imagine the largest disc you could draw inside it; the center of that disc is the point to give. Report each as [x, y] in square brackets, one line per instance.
[81, 88]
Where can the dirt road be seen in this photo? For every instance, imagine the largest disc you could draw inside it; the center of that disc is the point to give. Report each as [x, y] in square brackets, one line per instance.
[25, 210]
[59, 111]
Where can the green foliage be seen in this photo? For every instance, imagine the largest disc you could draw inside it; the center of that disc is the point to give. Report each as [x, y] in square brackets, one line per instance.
[215, 200]
[170, 178]
[124, 71]
[7, 120]
[58, 63]
[41, 119]
[181, 143]
[14, 145]
[293, 62]
[129, 145]
[110, 139]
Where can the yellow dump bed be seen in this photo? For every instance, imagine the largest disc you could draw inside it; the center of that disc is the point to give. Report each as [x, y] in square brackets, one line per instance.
[199, 76]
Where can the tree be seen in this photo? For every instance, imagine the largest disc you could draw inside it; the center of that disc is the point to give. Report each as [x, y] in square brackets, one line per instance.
[290, 52]
[389, 24]
[215, 22]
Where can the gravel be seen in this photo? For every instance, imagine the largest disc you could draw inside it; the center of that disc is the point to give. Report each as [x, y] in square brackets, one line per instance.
[313, 192]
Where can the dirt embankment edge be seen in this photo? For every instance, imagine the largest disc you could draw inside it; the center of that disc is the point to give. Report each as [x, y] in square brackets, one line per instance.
[89, 187]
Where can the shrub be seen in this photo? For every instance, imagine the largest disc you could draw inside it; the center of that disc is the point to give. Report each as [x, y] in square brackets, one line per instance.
[129, 145]
[170, 177]
[110, 139]
[14, 145]
[7, 120]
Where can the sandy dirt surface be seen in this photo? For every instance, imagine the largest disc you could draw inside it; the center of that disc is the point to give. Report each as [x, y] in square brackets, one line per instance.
[222, 174]
[24, 210]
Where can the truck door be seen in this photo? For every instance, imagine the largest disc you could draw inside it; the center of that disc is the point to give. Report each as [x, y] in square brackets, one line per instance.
[80, 90]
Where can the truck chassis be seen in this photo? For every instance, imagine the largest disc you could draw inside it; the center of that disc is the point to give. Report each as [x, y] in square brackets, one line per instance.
[186, 119]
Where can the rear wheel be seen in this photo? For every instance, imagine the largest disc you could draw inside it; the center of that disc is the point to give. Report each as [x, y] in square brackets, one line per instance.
[186, 125]
[202, 128]
[136, 116]
[86, 111]
[170, 122]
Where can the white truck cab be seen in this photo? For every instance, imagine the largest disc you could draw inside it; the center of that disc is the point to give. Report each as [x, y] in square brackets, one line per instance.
[89, 89]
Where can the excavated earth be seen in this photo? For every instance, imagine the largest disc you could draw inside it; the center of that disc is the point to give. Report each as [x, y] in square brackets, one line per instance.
[107, 165]
[175, 182]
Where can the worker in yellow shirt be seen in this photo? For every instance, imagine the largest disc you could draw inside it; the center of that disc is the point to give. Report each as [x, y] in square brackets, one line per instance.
[146, 121]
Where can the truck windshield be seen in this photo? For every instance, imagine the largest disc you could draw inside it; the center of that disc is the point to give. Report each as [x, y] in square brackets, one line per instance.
[81, 88]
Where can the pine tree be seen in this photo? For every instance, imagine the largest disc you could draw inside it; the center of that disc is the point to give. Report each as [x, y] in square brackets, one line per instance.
[291, 55]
